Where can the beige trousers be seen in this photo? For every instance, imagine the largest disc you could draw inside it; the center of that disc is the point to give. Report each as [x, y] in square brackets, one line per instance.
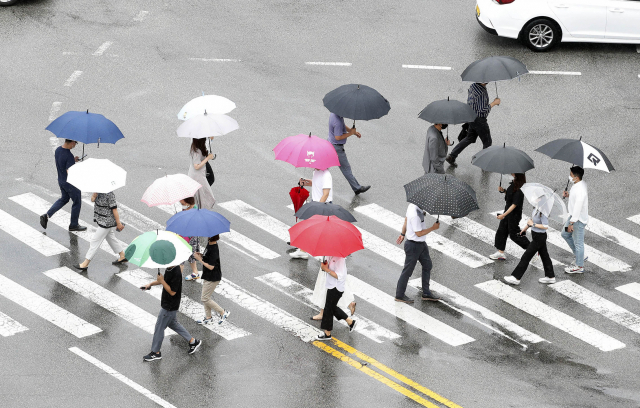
[207, 290]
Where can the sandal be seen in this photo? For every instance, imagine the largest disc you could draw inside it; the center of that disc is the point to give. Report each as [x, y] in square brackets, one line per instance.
[193, 276]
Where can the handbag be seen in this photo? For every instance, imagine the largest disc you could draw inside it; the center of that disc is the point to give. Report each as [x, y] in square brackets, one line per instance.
[211, 178]
[463, 132]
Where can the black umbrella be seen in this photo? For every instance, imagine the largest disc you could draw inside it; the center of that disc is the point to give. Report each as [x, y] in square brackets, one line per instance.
[442, 194]
[357, 102]
[493, 69]
[317, 208]
[503, 160]
[449, 112]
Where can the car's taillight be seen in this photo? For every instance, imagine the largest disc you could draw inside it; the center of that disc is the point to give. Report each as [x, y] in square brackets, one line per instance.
[504, 1]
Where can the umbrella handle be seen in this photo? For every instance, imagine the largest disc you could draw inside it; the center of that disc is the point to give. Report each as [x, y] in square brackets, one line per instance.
[496, 88]
[354, 125]
[452, 143]
[500, 179]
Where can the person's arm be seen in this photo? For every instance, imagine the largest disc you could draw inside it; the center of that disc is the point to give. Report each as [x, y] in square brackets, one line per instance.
[577, 207]
[425, 231]
[325, 267]
[343, 136]
[540, 226]
[325, 195]
[503, 215]
[305, 182]
[116, 215]
[165, 285]
[433, 154]
[93, 197]
[200, 164]
[402, 234]
[198, 256]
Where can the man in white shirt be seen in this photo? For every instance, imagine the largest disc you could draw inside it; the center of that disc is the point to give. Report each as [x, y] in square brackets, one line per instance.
[578, 210]
[336, 269]
[415, 249]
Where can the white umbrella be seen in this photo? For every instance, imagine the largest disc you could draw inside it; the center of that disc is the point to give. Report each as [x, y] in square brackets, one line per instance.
[213, 104]
[205, 125]
[546, 201]
[170, 189]
[97, 176]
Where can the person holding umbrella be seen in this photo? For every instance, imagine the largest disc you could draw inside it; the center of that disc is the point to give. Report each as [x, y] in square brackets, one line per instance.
[197, 171]
[338, 134]
[510, 218]
[578, 209]
[435, 149]
[336, 270]
[211, 276]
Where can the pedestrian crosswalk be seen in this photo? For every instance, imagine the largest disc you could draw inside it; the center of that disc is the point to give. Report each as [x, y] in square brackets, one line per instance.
[9, 327]
[632, 289]
[23, 232]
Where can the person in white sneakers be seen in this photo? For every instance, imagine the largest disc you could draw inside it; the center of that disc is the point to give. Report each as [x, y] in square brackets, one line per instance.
[539, 223]
[578, 210]
[335, 285]
[510, 218]
[211, 277]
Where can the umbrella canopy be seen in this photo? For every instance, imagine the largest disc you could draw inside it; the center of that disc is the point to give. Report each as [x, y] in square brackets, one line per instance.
[97, 176]
[326, 236]
[307, 151]
[447, 111]
[85, 127]
[170, 189]
[213, 104]
[357, 102]
[317, 208]
[578, 153]
[492, 69]
[503, 160]
[442, 194]
[198, 223]
[205, 125]
[158, 249]
[298, 196]
[545, 200]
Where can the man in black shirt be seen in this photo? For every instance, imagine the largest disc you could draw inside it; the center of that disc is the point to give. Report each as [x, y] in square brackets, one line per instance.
[170, 303]
[211, 276]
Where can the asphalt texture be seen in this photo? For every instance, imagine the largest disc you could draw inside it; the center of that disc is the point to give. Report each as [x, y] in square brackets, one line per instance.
[154, 65]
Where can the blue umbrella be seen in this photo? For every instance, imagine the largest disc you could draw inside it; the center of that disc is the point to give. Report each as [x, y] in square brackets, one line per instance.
[198, 223]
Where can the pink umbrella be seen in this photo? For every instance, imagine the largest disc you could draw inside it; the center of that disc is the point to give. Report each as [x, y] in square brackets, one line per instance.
[307, 151]
[170, 189]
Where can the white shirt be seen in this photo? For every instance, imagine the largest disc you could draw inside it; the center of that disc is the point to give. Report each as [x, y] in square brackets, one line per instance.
[339, 266]
[414, 224]
[578, 206]
[321, 180]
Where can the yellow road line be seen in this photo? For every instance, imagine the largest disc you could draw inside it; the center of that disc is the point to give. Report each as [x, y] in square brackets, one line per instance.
[373, 374]
[395, 374]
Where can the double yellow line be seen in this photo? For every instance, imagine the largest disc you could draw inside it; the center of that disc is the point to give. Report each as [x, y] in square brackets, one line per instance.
[388, 382]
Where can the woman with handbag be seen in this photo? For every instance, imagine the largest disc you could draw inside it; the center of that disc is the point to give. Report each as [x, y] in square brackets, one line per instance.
[197, 170]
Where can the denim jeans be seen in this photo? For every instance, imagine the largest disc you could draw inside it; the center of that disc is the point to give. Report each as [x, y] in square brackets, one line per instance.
[68, 192]
[575, 240]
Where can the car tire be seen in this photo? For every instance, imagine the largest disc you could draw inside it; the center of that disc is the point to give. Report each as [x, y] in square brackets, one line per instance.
[541, 35]
[4, 3]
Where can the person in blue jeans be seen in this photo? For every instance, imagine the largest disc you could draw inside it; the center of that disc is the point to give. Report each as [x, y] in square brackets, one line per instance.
[578, 209]
[65, 159]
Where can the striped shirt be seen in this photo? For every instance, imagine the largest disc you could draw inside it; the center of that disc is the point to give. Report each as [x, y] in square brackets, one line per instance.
[478, 99]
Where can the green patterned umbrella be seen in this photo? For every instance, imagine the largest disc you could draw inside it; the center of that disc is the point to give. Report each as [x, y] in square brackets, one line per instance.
[158, 249]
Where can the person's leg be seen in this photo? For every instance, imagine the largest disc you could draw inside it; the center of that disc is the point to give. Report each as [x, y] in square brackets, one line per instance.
[333, 296]
[76, 197]
[345, 168]
[177, 327]
[514, 233]
[116, 247]
[158, 333]
[61, 202]
[207, 301]
[568, 237]
[96, 240]
[502, 233]
[546, 259]
[578, 240]
[425, 261]
[482, 127]
[412, 252]
[531, 250]
[472, 136]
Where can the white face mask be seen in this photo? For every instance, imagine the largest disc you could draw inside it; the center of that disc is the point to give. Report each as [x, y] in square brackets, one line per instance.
[571, 180]
[184, 207]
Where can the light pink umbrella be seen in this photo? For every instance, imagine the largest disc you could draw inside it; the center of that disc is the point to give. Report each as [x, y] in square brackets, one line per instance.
[170, 189]
[307, 151]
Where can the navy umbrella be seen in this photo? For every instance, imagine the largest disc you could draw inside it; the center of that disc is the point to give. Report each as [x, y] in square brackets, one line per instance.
[442, 194]
[357, 102]
[317, 208]
[493, 69]
[198, 223]
[503, 160]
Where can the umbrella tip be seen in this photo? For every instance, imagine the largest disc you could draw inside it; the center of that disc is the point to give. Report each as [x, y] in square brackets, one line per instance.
[309, 134]
[205, 112]
[358, 86]
[504, 144]
[87, 110]
[447, 99]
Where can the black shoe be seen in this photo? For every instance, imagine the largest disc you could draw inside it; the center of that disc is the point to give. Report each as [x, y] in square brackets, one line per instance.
[451, 160]
[78, 228]
[119, 261]
[404, 300]
[193, 347]
[352, 326]
[430, 296]
[153, 356]
[362, 189]
[80, 268]
[323, 337]
[44, 219]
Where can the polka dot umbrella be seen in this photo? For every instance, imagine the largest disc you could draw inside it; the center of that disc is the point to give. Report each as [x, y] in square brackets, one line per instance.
[442, 194]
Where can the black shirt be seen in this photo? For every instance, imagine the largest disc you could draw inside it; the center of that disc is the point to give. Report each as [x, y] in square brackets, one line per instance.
[517, 198]
[173, 277]
[212, 257]
[64, 160]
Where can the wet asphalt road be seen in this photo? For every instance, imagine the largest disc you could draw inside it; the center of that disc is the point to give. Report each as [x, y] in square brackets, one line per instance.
[154, 65]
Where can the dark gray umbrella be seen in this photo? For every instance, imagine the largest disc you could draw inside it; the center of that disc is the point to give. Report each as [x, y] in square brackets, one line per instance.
[447, 111]
[357, 102]
[317, 208]
[442, 194]
[493, 69]
[503, 160]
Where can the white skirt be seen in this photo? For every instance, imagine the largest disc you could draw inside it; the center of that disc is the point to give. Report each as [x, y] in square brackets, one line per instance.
[320, 293]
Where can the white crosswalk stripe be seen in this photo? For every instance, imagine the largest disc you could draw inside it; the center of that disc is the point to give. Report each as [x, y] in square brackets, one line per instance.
[303, 294]
[635, 218]
[258, 218]
[9, 327]
[439, 243]
[598, 304]
[550, 315]
[188, 306]
[45, 309]
[32, 238]
[108, 300]
[613, 234]
[631, 289]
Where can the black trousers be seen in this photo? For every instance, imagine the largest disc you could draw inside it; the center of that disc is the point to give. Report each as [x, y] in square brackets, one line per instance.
[538, 244]
[508, 227]
[331, 309]
[479, 127]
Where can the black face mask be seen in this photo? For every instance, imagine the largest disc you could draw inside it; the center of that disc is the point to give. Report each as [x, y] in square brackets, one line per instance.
[444, 126]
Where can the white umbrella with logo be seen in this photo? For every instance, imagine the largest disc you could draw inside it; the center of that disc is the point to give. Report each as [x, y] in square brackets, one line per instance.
[97, 176]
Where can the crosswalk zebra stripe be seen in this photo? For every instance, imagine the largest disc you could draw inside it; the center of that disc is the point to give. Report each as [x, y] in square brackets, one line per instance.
[258, 218]
[107, 299]
[635, 218]
[29, 236]
[613, 234]
[598, 304]
[631, 289]
[188, 306]
[444, 245]
[303, 294]
[9, 327]
[45, 309]
[550, 315]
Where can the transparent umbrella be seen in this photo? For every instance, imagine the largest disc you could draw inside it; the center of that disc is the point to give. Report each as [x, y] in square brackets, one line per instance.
[546, 200]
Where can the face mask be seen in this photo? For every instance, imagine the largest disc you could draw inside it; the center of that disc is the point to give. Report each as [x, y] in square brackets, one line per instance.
[444, 126]
[184, 207]
[571, 180]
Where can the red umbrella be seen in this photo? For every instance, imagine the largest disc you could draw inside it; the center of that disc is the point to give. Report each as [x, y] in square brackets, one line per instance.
[326, 236]
[298, 196]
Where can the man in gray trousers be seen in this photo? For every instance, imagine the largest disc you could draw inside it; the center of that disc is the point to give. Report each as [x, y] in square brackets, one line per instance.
[338, 134]
[435, 149]
[170, 303]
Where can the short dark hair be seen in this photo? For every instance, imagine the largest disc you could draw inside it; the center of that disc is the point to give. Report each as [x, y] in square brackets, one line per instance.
[69, 141]
[518, 181]
[189, 200]
[215, 238]
[577, 171]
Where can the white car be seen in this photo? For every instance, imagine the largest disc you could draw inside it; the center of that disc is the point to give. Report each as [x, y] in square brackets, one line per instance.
[541, 24]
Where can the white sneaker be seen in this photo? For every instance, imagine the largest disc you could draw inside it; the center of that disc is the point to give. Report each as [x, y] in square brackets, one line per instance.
[498, 256]
[511, 280]
[573, 263]
[537, 262]
[574, 269]
[299, 254]
[547, 280]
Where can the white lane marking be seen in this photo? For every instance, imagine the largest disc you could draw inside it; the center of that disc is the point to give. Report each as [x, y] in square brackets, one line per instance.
[631, 289]
[439, 243]
[70, 53]
[555, 73]
[550, 315]
[604, 261]
[107, 299]
[34, 239]
[635, 218]
[73, 78]
[338, 64]
[188, 306]
[45, 309]
[132, 218]
[215, 59]
[239, 250]
[62, 218]
[613, 234]
[153, 397]
[427, 67]
[598, 304]
[141, 15]
[304, 295]
[101, 49]
[9, 327]
[55, 108]
[257, 218]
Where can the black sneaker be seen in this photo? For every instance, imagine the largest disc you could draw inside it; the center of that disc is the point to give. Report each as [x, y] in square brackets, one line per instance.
[404, 300]
[352, 326]
[44, 219]
[78, 228]
[362, 189]
[193, 347]
[323, 337]
[430, 296]
[452, 161]
[153, 356]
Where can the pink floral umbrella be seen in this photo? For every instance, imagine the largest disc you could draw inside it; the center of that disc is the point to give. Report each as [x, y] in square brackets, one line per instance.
[307, 151]
[170, 189]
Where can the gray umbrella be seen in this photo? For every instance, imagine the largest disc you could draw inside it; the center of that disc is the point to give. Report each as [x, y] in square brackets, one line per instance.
[442, 194]
[493, 69]
[447, 111]
[503, 160]
[317, 208]
[357, 102]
